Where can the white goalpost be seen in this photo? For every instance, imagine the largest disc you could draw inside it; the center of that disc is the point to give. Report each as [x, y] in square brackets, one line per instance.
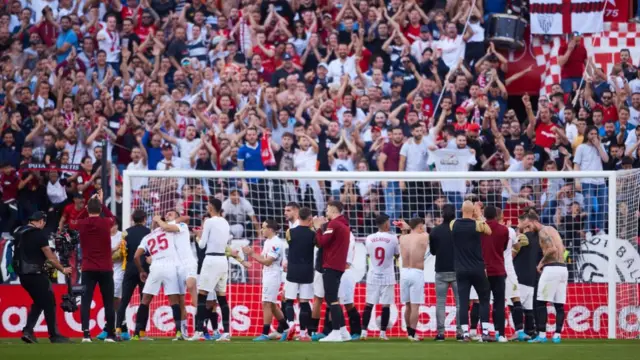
[596, 213]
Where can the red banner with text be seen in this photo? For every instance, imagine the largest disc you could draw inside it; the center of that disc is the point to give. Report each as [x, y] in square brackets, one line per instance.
[586, 313]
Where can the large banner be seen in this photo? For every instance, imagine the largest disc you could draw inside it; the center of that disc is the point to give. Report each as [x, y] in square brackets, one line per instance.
[586, 313]
[541, 57]
[557, 17]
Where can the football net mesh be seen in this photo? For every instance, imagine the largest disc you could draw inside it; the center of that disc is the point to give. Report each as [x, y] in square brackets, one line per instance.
[577, 207]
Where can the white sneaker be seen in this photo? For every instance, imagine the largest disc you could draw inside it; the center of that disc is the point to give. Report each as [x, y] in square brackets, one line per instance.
[109, 340]
[86, 340]
[413, 338]
[334, 336]
[197, 336]
[224, 338]
[502, 339]
[363, 335]
[344, 333]
[383, 337]
[275, 335]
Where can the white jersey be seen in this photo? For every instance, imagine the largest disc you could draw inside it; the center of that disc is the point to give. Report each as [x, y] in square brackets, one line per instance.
[183, 244]
[273, 248]
[508, 256]
[161, 246]
[116, 239]
[215, 235]
[351, 254]
[382, 248]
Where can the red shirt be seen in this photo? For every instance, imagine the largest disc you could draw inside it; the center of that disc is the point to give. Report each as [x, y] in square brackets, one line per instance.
[144, 31]
[127, 12]
[83, 178]
[574, 67]
[9, 186]
[609, 113]
[95, 240]
[71, 214]
[393, 156]
[413, 32]
[48, 33]
[334, 242]
[267, 62]
[365, 58]
[493, 247]
[545, 137]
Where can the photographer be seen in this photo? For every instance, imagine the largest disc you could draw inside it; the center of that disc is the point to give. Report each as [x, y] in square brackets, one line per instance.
[97, 265]
[31, 251]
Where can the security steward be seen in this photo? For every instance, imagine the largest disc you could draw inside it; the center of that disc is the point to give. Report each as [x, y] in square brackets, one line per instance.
[131, 240]
[31, 252]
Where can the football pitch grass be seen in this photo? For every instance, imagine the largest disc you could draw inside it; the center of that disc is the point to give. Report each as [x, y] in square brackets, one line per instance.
[397, 349]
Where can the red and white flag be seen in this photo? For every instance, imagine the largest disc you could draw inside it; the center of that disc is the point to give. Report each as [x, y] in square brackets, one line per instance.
[558, 17]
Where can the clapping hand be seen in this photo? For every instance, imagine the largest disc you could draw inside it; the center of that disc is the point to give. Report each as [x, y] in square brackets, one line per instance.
[318, 221]
[247, 250]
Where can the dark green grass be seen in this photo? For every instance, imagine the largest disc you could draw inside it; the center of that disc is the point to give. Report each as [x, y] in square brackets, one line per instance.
[243, 348]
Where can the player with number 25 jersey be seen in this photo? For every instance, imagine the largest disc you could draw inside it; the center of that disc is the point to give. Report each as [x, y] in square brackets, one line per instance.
[165, 263]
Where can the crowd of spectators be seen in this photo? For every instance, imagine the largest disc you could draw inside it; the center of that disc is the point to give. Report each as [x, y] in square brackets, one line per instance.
[325, 85]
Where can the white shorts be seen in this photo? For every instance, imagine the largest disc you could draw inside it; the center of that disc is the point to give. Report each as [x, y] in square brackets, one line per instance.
[294, 291]
[347, 288]
[211, 296]
[270, 290]
[412, 286]
[213, 274]
[526, 296]
[191, 271]
[511, 288]
[552, 286]
[165, 275]
[380, 294]
[318, 285]
[118, 276]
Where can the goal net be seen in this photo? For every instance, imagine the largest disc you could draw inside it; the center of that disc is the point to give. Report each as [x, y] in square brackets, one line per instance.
[596, 214]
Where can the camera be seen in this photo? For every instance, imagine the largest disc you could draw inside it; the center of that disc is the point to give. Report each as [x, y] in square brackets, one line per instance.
[66, 242]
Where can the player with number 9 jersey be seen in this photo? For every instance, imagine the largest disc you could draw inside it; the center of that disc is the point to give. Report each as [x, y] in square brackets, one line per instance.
[165, 263]
[382, 248]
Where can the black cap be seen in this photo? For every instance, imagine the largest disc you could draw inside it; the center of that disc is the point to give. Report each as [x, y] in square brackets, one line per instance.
[4, 164]
[627, 160]
[424, 28]
[37, 216]
[286, 57]
[77, 196]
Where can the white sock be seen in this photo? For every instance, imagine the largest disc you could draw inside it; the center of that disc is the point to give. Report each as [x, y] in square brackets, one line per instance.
[364, 333]
[485, 328]
[543, 335]
[383, 333]
[556, 335]
[303, 333]
[473, 332]
[465, 330]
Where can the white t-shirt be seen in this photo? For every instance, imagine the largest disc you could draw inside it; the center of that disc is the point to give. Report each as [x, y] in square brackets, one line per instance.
[416, 154]
[635, 86]
[161, 246]
[588, 158]
[138, 181]
[418, 47]
[110, 44]
[186, 147]
[345, 165]
[56, 192]
[305, 160]
[382, 247]
[517, 184]
[458, 160]
[116, 239]
[215, 235]
[76, 151]
[451, 49]
[338, 68]
[273, 249]
[634, 118]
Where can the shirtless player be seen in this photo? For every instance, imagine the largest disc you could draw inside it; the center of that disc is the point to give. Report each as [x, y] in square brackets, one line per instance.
[413, 247]
[552, 286]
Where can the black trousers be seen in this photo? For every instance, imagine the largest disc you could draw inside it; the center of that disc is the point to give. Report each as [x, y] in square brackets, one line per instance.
[497, 285]
[331, 279]
[130, 281]
[477, 279]
[104, 279]
[39, 288]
